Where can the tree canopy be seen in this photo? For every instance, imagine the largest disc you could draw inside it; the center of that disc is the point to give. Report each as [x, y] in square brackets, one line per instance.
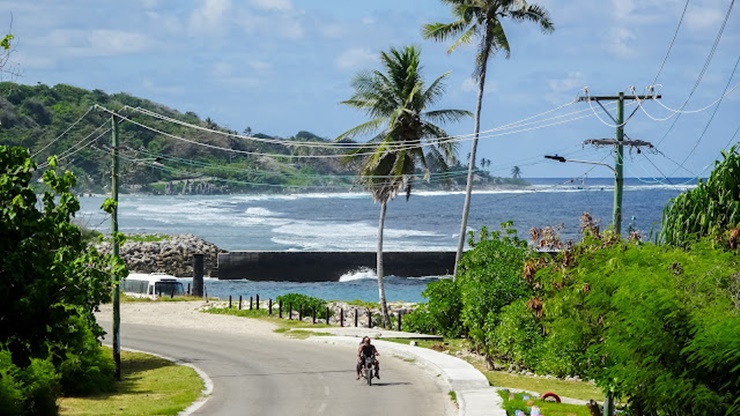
[52, 282]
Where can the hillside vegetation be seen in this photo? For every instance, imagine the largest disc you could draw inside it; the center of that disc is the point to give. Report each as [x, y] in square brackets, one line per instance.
[171, 152]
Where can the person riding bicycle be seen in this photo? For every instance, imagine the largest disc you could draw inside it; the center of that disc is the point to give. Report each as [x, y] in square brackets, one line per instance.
[367, 349]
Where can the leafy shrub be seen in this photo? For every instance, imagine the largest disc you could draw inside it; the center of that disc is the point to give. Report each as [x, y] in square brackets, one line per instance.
[420, 321]
[518, 336]
[299, 301]
[40, 383]
[490, 278]
[11, 391]
[657, 326]
[86, 368]
[441, 314]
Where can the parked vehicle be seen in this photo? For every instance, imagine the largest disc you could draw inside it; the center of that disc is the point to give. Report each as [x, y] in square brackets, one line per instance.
[151, 285]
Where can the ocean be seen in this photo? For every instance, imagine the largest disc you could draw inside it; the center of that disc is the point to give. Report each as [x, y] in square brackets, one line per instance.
[348, 222]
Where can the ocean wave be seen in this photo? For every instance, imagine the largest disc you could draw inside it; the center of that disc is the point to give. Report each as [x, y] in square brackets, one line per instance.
[363, 273]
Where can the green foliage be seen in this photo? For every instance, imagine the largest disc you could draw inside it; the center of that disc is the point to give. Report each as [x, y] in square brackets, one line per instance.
[518, 337]
[302, 302]
[52, 281]
[5, 42]
[711, 209]
[441, 314]
[490, 278]
[657, 326]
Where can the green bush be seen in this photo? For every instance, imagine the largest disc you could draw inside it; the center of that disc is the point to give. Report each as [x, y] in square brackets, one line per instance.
[657, 326]
[518, 336]
[441, 314]
[490, 277]
[11, 391]
[299, 301]
[40, 383]
[86, 368]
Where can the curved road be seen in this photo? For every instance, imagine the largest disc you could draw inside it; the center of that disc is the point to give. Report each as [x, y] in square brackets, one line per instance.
[273, 375]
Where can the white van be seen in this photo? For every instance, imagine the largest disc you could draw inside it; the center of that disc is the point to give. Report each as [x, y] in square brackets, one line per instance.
[151, 285]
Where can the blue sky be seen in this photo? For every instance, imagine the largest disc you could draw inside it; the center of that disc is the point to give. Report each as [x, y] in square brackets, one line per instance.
[281, 66]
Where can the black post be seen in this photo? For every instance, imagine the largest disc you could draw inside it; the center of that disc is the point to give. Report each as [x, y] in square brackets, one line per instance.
[356, 316]
[258, 302]
[269, 306]
[341, 317]
[189, 292]
[369, 319]
[280, 310]
[198, 273]
[250, 303]
[313, 314]
[229, 301]
[399, 320]
[327, 315]
[300, 312]
[240, 302]
[290, 311]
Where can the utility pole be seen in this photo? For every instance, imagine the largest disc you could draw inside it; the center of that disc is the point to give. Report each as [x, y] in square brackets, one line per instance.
[619, 144]
[114, 245]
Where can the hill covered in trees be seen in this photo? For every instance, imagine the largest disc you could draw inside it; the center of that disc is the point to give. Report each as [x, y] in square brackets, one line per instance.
[165, 151]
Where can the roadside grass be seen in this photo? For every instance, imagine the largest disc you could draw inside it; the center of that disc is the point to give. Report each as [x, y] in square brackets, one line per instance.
[284, 324]
[150, 386]
[523, 402]
[579, 390]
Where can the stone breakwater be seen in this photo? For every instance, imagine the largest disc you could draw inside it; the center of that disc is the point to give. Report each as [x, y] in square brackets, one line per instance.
[172, 255]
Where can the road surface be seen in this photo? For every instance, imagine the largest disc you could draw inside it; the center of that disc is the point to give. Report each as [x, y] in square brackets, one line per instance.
[270, 374]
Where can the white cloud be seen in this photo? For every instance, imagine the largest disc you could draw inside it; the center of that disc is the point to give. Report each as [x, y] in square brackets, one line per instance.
[571, 83]
[368, 21]
[209, 15]
[356, 58]
[95, 43]
[222, 69]
[259, 65]
[150, 4]
[278, 5]
[701, 18]
[619, 42]
[113, 42]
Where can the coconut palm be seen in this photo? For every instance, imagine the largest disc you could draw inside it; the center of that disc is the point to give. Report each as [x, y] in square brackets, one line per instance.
[405, 136]
[516, 173]
[482, 20]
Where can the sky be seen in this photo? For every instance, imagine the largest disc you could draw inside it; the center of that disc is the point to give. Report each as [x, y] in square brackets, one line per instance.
[282, 66]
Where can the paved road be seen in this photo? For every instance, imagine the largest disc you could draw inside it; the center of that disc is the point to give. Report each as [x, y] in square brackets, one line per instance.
[271, 375]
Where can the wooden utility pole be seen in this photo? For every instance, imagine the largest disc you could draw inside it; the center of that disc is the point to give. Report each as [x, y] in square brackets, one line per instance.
[619, 144]
[114, 249]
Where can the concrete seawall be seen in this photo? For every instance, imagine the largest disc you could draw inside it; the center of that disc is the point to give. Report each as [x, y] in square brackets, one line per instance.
[326, 266]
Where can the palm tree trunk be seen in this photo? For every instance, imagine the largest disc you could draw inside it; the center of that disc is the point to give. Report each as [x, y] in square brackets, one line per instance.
[379, 263]
[471, 167]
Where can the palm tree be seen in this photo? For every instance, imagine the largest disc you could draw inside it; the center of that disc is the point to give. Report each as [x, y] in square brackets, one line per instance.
[516, 173]
[397, 102]
[482, 19]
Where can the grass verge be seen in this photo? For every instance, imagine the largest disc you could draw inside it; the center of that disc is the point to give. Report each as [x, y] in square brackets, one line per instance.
[525, 403]
[572, 389]
[284, 324]
[149, 386]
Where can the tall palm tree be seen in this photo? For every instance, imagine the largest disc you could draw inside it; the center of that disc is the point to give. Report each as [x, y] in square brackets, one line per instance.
[516, 173]
[482, 20]
[397, 102]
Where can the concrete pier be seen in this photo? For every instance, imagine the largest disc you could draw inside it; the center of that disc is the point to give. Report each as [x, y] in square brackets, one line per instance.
[325, 266]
